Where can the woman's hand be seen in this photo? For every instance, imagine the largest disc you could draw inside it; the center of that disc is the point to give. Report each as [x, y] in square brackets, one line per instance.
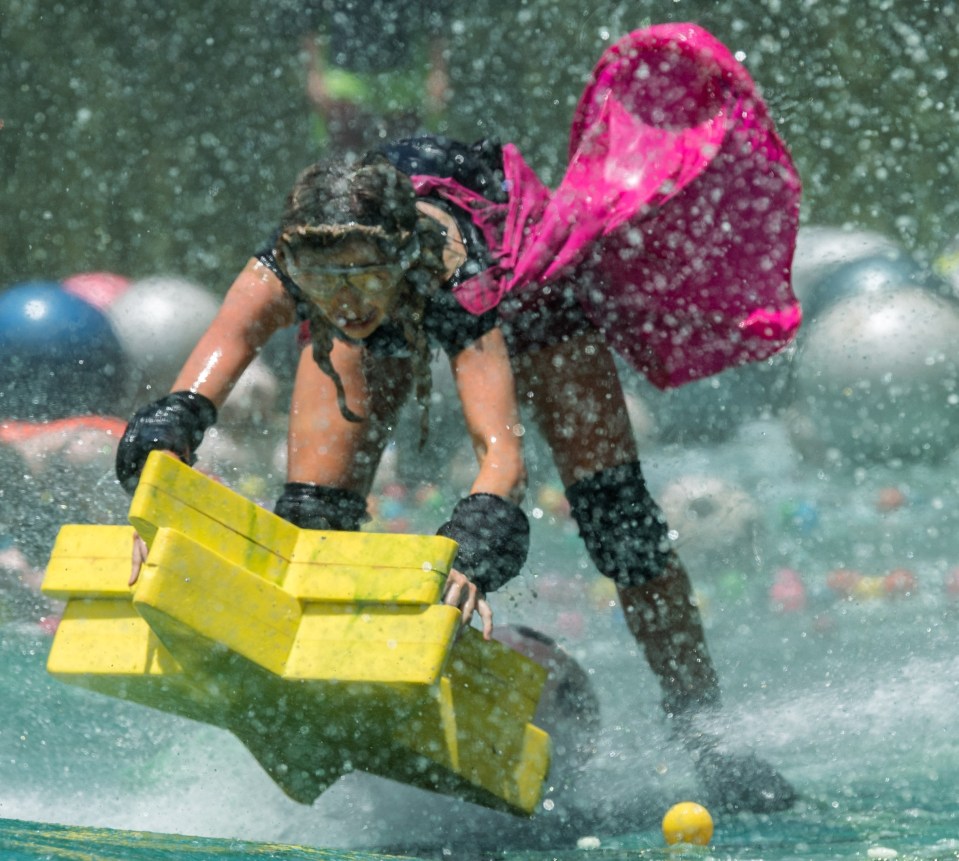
[175, 423]
[461, 592]
[139, 557]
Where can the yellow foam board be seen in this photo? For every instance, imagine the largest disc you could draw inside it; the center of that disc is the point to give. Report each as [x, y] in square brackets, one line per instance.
[322, 651]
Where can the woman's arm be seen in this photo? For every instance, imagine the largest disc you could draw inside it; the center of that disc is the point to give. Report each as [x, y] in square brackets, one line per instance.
[491, 530]
[255, 306]
[487, 391]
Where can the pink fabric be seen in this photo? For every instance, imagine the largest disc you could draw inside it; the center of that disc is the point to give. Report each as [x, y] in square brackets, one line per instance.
[675, 222]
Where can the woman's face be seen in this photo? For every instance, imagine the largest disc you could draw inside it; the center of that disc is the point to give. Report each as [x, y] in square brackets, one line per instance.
[353, 283]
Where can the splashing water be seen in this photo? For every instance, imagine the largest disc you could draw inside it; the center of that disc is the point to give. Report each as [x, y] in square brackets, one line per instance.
[851, 695]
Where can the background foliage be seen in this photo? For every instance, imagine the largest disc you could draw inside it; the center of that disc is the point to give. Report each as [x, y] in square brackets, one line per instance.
[161, 137]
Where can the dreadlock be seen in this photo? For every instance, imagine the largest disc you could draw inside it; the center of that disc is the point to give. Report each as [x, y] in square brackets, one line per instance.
[331, 202]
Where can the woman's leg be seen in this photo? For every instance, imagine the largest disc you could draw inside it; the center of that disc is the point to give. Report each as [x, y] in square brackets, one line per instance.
[574, 391]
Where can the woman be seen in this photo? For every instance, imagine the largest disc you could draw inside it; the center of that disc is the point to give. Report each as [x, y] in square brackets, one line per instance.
[369, 268]
[669, 239]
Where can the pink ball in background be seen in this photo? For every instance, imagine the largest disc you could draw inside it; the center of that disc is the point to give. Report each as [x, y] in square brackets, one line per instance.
[900, 582]
[787, 593]
[100, 289]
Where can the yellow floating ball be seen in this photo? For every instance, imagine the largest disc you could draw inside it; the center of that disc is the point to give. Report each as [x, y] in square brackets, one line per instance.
[688, 822]
[870, 588]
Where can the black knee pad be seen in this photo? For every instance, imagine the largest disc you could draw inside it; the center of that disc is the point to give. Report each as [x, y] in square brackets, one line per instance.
[314, 506]
[623, 528]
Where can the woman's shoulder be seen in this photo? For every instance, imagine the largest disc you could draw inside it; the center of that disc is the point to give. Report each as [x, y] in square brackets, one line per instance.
[453, 226]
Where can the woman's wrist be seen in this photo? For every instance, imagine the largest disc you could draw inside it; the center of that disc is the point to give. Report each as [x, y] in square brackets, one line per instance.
[493, 538]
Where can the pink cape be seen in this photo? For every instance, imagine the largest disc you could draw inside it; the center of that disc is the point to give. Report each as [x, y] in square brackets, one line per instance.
[675, 223]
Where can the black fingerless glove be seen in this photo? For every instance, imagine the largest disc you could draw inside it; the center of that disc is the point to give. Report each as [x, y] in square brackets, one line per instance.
[493, 539]
[174, 423]
[315, 506]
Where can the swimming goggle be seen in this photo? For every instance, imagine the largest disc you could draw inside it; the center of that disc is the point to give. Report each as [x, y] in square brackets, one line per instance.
[319, 283]
[374, 280]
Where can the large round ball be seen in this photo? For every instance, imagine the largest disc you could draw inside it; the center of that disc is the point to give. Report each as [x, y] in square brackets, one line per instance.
[252, 402]
[876, 273]
[159, 321]
[821, 249]
[877, 378]
[946, 265]
[59, 356]
[569, 707]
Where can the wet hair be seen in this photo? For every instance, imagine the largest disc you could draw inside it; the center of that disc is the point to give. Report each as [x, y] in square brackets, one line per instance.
[332, 202]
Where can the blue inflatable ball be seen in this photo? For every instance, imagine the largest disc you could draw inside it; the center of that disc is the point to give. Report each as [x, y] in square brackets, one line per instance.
[59, 356]
[874, 274]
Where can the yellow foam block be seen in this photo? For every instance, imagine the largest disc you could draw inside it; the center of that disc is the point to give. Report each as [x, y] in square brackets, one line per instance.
[106, 638]
[364, 668]
[311, 564]
[198, 588]
[322, 651]
[92, 561]
[355, 584]
[134, 667]
[172, 495]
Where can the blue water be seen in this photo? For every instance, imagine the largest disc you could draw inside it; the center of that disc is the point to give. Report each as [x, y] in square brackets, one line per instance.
[30, 841]
[855, 700]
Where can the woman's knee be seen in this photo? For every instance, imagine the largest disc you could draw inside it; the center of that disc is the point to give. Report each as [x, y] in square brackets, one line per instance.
[624, 530]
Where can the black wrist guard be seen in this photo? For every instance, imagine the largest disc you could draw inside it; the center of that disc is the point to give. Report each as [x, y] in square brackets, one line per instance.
[174, 423]
[314, 506]
[493, 538]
